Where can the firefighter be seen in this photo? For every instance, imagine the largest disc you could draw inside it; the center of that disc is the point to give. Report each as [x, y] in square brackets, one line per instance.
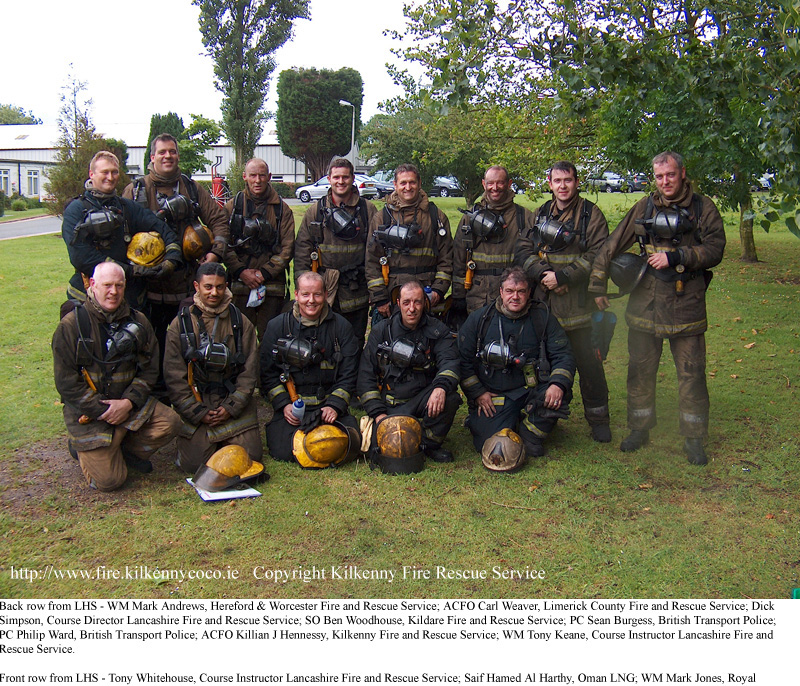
[681, 236]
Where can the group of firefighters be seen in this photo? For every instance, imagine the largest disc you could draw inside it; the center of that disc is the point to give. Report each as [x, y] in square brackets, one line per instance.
[178, 309]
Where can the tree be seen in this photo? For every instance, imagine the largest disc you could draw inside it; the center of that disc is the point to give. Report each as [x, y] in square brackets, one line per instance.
[77, 144]
[667, 74]
[195, 141]
[312, 125]
[241, 37]
[10, 114]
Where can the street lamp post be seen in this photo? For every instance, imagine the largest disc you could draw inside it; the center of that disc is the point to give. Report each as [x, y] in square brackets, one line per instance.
[344, 103]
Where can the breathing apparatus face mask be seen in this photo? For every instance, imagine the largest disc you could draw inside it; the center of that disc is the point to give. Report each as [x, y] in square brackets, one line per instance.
[404, 354]
[256, 230]
[554, 234]
[400, 236]
[174, 208]
[499, 355]
[668, 224]
[101, 224]
[124, 340]
[297, 352]
[214, 357]
[487, 224]
[342, 224]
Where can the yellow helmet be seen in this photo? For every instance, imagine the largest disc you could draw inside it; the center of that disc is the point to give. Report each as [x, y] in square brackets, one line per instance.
[197, 241]
[226, 468]
[503, 452]
[146, 249]
[323, 446]
[398, 435]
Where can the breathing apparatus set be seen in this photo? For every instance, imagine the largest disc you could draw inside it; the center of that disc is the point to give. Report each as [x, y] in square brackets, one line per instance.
[100, 224]
[345, 227]
[402, 238]
[252, 233]
[483, 224]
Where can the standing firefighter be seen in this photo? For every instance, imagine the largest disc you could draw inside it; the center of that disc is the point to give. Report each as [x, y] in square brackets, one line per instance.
[261, 246]
[485, 241]
[410, 367]
[409, 240]
[332, 242]
[310, 355]
[99, 226]
[558, 255]
[516, 367]
[211, 372]
[197, 220]
[106, 363]
[681, 236]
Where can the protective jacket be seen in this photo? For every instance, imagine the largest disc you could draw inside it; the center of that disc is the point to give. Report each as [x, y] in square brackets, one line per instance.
[231, 388]
[523, 334]
[145, 192]
[271, 251]
[86, 250]
[571, 264]
[668, 302]
[81, 342]
[491, 254]
[430, 262]
[344, 254]
[385, 381]
[330, 380]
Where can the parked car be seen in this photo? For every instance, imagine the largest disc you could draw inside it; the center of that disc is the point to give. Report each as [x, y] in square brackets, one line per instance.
[445, 186]
[366, 188]
[762, 183]
[637, 181]
[608, 181]
[383, 187]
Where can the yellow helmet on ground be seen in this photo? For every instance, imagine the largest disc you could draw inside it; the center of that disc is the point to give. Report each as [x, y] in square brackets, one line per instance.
[226, 468]
[398, 439]
[197, 241]
[503, 452]
[146, 249]
[325, 445]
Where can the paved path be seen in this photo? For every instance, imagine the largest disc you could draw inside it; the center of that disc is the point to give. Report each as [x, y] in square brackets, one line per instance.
[36, 226]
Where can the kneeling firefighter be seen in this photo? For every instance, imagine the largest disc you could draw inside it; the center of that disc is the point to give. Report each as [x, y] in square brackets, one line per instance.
[410, 367]
[211, 371]
[309, 360]
[517, 367]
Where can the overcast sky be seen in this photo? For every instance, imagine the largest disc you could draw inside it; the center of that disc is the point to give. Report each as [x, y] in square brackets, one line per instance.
[143, 57]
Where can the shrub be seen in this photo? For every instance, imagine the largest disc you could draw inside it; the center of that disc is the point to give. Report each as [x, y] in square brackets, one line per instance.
[33, 203]
[2, 203]
[285, 190]
[19, 205]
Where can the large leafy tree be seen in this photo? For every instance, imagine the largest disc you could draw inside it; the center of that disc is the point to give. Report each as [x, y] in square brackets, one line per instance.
[193, 140]
[662, 74]
[312, 125]
[169, 123]
[241, 36]
[10, 114]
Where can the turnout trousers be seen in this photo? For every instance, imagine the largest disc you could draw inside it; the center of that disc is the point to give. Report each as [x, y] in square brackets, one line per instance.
[592, 377]
[689, 354]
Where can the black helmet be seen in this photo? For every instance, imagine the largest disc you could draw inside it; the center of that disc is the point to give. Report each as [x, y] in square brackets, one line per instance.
[626, 270]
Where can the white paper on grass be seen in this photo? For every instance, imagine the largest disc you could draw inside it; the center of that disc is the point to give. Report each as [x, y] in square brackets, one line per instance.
[208, 496]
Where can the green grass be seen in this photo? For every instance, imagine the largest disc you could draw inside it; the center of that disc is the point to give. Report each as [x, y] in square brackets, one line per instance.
[599, 522]
[10, 215]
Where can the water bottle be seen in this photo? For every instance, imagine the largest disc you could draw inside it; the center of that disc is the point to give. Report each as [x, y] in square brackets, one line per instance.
[298, 409]
[429, 292]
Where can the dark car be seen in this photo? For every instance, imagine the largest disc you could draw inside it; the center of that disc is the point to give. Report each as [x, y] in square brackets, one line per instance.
[638, 182]
[384, 188]
[608, 181]
[445, 186]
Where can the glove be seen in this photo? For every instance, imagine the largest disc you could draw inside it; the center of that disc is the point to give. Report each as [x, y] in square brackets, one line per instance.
[166, 269]
[311, 420]
[459, 306]
[139, 270]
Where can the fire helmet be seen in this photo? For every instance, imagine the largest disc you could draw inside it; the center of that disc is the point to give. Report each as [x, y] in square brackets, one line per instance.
[226, 468]
[146, 249]
[503, 452]
[398, 439]
[197, 241]
[626, 270]
[326, 445]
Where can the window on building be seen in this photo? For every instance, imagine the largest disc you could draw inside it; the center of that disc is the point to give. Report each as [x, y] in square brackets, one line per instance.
[33, 182]
[4, 181]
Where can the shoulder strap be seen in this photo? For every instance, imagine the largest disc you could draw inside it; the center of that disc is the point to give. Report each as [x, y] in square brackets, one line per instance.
[362, 210]
[83, 351]
[586, 214]
[191, 186]
[320, 209]
[483, 325]
[236, 324]
[188, 336]
[435, 225]
[545, 209]
[520, 219]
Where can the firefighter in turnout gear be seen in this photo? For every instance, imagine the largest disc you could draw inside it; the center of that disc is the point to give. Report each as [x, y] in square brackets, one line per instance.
[106, 362]
[211, 372]
[557, 255]
[99, 227]
[681, 236]
[409, 240]
[260, 247]
[410, 367]
[517, 367]
[332, 242]
[183, 204]
[485, 241]
[308, 354]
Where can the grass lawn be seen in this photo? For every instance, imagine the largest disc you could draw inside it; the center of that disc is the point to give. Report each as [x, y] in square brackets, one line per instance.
[600, 523]
[10, 215]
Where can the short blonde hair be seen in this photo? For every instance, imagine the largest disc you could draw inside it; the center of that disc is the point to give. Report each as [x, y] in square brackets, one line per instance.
[103, 155]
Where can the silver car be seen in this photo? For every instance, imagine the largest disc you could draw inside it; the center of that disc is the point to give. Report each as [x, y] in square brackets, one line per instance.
[319, 189]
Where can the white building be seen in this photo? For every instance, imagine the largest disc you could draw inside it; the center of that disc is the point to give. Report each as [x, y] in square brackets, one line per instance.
[27, 151]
